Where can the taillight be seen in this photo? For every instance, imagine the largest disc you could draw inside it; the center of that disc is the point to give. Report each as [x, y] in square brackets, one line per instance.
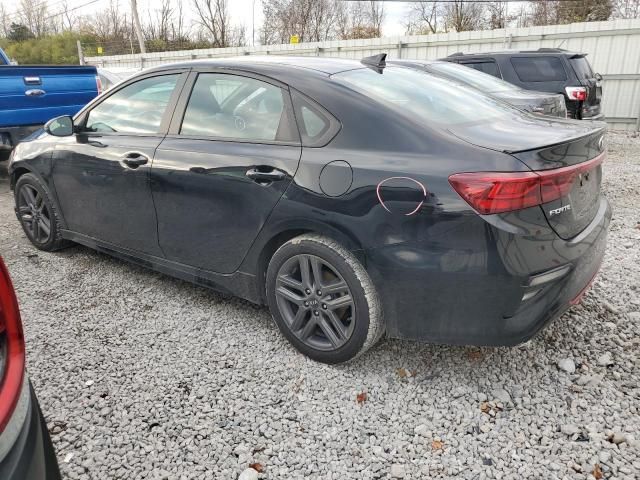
[499, 192]
[99, 84]
[576, 93]
[11, 336]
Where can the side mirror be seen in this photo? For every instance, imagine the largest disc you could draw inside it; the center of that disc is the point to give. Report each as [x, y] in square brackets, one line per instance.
[60, 126]
[598, 77]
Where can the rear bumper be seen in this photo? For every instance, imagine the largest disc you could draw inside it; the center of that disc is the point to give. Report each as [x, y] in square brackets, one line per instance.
[32, 455]
[11, 136]
[470, 287]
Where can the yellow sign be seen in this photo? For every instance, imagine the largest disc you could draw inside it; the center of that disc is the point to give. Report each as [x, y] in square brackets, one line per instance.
[294, 39]
[99, 50]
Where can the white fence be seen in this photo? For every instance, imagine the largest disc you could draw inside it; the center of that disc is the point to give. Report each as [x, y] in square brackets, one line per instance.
[613, 50]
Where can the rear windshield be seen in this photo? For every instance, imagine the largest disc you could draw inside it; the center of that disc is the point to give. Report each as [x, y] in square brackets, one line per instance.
[424, 97]
[582, 68]
[539, 69]
[473, 77]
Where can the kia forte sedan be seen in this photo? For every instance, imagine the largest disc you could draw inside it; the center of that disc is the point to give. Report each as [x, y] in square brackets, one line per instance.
[26, 451]
[355, 199]
[543, 103]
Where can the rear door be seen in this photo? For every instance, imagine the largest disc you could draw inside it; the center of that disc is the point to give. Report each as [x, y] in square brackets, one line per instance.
[232, 150]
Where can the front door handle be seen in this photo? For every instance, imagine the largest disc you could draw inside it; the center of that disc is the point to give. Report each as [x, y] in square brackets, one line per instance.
[265, 174]
[134, 159]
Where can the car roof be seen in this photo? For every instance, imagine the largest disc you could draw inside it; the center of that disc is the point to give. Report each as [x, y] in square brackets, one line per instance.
[319, 65]
[539, 51]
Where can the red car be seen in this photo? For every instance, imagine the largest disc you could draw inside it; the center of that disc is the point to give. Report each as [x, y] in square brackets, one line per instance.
[26, 451]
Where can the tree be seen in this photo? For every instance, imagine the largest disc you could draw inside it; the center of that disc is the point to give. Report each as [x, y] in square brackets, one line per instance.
[584, 11]
[497, 15]
[213, 17]
[424, 17]
[5, 24]
[626, 8]
[34, 15]
[463, 15]
[359, 19]
[19, 33]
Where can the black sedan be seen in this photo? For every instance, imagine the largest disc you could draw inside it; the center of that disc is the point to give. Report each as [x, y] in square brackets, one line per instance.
[543, 103]
[356, 199]
[25, 447]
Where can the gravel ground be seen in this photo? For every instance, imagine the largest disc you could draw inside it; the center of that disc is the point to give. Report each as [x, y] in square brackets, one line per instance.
[143, 376]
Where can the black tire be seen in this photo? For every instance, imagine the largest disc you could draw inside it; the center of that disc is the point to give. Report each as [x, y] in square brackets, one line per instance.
[333, 326]
[31, 195]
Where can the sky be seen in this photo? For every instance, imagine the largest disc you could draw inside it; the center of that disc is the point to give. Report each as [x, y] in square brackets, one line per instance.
[240, 10]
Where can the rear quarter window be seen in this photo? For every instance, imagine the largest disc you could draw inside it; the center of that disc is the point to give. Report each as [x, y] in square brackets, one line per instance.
[316, 125]
[582, 68]
[539, 69]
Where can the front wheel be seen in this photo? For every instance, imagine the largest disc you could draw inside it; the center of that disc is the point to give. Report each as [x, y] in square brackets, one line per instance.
[323, 300]
[37, 214]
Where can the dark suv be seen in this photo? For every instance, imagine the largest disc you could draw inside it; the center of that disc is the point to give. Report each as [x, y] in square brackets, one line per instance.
[546, 69]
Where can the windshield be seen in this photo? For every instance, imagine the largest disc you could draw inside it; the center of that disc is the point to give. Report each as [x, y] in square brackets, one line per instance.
[471, 76]
[426, 98]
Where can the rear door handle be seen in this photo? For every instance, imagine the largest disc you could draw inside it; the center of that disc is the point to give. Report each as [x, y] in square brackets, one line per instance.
[265, 174]
[134, 159]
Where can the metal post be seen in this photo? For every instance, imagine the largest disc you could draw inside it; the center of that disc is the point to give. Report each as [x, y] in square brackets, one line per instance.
[80, 54]
[399, 50]
[253, 24]
[137, 27]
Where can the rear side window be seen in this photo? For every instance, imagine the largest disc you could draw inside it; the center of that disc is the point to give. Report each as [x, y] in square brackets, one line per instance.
[235, 107]
[539, 69]
[489, 67]
[317, 126]
[136, 108]
[582, 68]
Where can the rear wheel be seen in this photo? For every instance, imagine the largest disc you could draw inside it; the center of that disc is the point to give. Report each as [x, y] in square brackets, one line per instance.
[37, 214]
[323, 300]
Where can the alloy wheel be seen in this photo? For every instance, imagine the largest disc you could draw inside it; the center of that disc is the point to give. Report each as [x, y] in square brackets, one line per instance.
[315, 302]
[34, 214]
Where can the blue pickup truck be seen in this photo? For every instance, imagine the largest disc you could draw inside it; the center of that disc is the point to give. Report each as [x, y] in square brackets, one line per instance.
[30, 95]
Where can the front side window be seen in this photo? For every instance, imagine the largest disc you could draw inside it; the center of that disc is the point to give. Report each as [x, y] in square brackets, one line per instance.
[136, 108]
[539, 69]
[426, 98]
[234, 107]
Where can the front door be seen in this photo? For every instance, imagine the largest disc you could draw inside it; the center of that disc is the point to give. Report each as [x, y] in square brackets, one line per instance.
[101, 174]
[223, 167]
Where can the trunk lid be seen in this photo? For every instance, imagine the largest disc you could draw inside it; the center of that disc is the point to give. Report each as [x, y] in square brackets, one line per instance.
[582, 175]
[567, 152]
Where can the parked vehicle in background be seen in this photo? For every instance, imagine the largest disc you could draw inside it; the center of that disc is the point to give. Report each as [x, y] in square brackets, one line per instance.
[528, 100]
[109, 77]
[30, 95]
[354, 198]
[26, 451]
[551, 70]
